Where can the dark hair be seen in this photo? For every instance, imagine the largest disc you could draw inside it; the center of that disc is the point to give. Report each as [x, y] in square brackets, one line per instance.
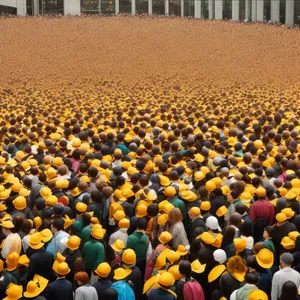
[289, 291]
[110, 294]
[58, 224]
[228, 236]
[185, 269]
[235, 219]
[96, 196]
[270, 230]
[152, 210]
[251, 262]
[142, 224]
[246, 229]
[252, 278]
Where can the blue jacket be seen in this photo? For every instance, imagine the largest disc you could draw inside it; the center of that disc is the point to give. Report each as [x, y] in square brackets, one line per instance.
[60, 289]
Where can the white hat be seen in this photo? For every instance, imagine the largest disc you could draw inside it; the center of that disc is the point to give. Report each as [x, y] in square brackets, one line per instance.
[220, 256]
[212, 223]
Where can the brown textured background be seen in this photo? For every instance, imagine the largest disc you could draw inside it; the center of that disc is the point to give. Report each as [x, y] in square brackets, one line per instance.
[77, 52]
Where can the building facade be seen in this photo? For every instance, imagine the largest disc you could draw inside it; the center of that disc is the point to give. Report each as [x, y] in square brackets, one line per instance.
[283, 11]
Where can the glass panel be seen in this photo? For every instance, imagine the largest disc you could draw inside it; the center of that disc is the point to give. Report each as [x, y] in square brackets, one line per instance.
[141, 6]
[125, 6]
[50, 7]
[227, 9]
[189, 8]
[204, 9]
[7, 10]
[297, 12]
[282, 11]
[108, 7]
[90, 6]
[158, 7]
[174, 8]
[267, 10]
[30, 7]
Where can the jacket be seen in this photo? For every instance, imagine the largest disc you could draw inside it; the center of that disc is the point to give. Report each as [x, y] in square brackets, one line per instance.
[86, 292]
[60, 289]
[101, 286]
[138, 242]
[93, 254]
[161, 294]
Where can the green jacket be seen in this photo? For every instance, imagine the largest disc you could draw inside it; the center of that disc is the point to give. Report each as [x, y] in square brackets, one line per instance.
[178, 203]
[93, 254]
[85, 235]
[138, 242]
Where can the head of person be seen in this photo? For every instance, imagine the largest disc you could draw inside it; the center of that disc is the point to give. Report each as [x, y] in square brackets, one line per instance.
[175, 215]
[81, 278]
[268, 232]
[142, 224]
[286, 260]
[289, 291]
[57, 225]
[235, 219]
[185, 269]
[228, 236]
[252, 278]
[110, 294]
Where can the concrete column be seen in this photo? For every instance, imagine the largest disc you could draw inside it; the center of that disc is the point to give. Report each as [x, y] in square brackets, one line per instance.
[36, 7]
[72, 7]
[235, 10]
[275, 10]
[289, 11]
[219, 9]
[117, 6]
[211, 9]
[182, 8]
[150, 7]
[197, 11]
[133, 10]
[254, 11]
[21, 8]
[260, 10]
[166, 7]
[247, 10]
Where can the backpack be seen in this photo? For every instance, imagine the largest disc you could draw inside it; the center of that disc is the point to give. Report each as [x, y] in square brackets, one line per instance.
[124, 291]
[192, 290]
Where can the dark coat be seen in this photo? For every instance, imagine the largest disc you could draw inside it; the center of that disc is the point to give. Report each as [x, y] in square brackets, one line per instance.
[101, 286]
[60, 289]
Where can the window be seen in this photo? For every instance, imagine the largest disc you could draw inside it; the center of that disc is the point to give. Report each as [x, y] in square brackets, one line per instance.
[7, 10]
[50, 7]
[90, 6]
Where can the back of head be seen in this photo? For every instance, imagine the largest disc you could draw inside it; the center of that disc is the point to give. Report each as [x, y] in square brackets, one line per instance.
[286, 259]
[111, 294]
[289, 291]
[252, 278]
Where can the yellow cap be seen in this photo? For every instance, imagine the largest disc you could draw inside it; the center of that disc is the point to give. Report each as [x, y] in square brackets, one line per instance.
[265, 258]
[118, 245]
[239, 244]
[73, 242]
[121, 273]
[281, 217]
[166, 279]
[205, 205]
[129, 257]
[103, 270]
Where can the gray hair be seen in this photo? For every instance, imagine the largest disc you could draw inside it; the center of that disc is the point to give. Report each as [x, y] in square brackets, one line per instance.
[287, 258]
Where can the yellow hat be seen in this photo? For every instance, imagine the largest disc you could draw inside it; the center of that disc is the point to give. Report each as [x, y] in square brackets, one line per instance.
[7, 224]
[181, 250]
[165, 237]
[194, 211]
[20, 203]
[164, 180]
[119, 215]
[2, 207]
[73, 242]
[127, 193]
[76, 142]
[98, 232]
[221, 211]
[45, 192]
[245, 196]
[216, 272]
[47, 235]
[207, 238]
[287, 243]
[257, 295]
[124, 223]
[24, 192]
[188, 196]
[36, 286]
[170, 191]
[12, 261]
[173, 256]
[5, 194]
[50, 173]
[290, 195]
[16, 187]
[288, 212]
[129, 257]
[261, 192]
[68, 222]
[205, 205]
[225, 190]
[174, 270]
[166, 279]
[258, 144]
[62, 184]
[61, 268]
[163, 219]
[118, 245]
[14, 292]
[118, 194]
[210, 186]
[293, 235]
[239, 244]
[57, 161]
[217, 181]
[141, 211]
[25, 165]
[265, 258]
[121, 273]
[103, 270]
[81, 207]
[24, 260]
[35, 241]
[199, 157]
[197, 267]
[281, 217]
[52, 200]
[199, 176]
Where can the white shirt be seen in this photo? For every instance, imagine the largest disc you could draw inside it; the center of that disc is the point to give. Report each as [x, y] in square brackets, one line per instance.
[86, 292]
[282, 276]
[249, 240]
[121, 234]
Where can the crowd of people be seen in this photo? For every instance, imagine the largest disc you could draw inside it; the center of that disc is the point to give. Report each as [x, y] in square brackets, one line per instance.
[152, 190]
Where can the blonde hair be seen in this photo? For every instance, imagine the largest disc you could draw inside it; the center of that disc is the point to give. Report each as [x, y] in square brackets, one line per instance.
[175, 215]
